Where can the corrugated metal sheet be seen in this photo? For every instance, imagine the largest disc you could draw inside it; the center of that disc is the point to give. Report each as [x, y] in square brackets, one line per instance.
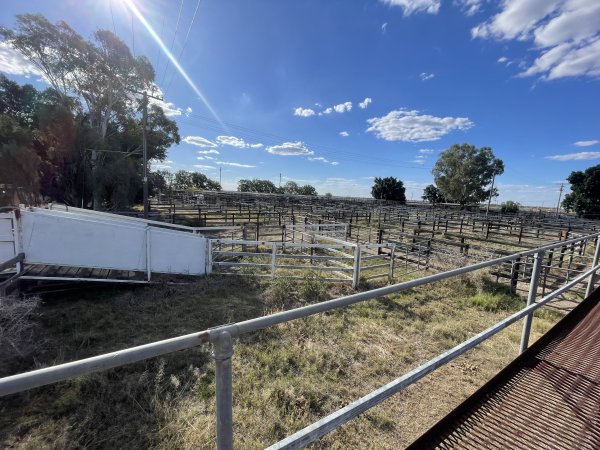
[547, 398]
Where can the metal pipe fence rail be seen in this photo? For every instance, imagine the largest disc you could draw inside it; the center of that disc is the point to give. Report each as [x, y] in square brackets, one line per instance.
[222, 339]
[345, 260]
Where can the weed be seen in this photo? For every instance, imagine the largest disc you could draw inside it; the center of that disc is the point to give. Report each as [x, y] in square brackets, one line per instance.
[17, 327]
[280, 291]
[313, 287]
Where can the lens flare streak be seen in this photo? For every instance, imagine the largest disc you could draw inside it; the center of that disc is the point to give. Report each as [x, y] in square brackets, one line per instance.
[133, 8]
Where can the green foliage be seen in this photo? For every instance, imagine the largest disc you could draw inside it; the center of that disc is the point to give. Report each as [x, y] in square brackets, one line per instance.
[19, 163]
[255, 185]
[80, 140]
[194, 180]
[292, 188]
[388, 188]
[463, 172]
[313, 287]
[510, 207]
[433, 195]
[280, 291]
[584, 197]
[495, 302]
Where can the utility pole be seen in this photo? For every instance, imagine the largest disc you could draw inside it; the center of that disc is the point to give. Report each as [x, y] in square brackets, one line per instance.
[559, 196]
[220, 177]
[279, 179]
[487, 210]
[145, 145]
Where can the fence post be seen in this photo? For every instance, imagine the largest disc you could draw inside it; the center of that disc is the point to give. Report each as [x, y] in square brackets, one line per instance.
[538, 259]
[356, 272]
[223, 351]
[273, 260]
[592, 279]
[514, 274]
[148, 255]
[391, 270]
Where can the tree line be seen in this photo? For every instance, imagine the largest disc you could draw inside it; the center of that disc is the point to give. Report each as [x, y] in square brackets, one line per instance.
[79, 140]
[464, 174]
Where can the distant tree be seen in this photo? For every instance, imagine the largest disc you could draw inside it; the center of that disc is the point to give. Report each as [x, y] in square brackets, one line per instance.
[463, 172]
[307, 189]
[433, 195]
[194, 181]
[328, 195]
[388, 188]
[290, 187]
[584, 197]
[255, 185]
[510, 207]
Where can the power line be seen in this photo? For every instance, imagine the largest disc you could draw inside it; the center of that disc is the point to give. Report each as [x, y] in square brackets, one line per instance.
[173, 41]
[338, 154]
[132, 35]
[112, 17]
[274, 138]
[184, 43]
[158, 51]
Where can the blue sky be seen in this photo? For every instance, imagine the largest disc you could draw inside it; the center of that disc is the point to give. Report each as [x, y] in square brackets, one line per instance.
[334, 93]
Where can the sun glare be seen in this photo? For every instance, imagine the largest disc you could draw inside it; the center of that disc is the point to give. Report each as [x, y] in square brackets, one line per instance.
[136, 12]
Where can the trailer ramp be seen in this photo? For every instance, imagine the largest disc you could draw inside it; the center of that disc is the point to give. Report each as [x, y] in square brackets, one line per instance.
[547, 398]
[78, 245]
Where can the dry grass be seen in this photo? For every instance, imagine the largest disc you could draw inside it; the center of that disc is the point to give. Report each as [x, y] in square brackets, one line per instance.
[17, 327]
[285, 377]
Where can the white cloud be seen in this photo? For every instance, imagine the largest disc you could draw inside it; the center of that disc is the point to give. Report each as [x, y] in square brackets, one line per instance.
[410, 126]
[13, 62]
[169, 108]
[290, 149]
[469, 7]
[586, 143]
[188, 111]
[236, 142]
[426, 76]
[198, 141]
[156, 164]
[366, 102]
[502, 59]
[231, 141]
[327, 111]
[343, 107]
[425, 151]
[565, 35]
[234, 164]
[304, 112]
[323, 160]
[412, 6]
[200, 166]
[575, 156]
[384, 27]
[208, 152]
[207, 158]
[344, 134]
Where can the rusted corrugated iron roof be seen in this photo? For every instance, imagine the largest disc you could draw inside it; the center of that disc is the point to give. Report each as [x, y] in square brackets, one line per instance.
[549, 397]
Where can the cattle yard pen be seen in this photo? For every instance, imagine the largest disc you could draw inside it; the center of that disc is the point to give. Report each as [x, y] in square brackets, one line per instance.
[394, 240]
[222, 340]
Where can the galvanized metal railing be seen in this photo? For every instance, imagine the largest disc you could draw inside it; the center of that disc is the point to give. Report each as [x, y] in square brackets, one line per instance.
[222, 340]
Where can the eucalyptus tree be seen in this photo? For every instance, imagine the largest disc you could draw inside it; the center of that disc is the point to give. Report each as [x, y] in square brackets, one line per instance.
[463, 172]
